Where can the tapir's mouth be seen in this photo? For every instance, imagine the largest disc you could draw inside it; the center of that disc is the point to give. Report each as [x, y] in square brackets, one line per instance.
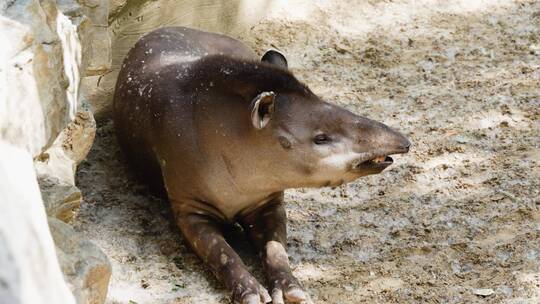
[374, 162]
[378, 163]
[381, 161]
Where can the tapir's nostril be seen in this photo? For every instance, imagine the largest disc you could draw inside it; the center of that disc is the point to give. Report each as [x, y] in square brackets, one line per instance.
[406, 145]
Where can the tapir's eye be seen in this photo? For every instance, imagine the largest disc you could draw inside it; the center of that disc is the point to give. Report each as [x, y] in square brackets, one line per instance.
[321, 139]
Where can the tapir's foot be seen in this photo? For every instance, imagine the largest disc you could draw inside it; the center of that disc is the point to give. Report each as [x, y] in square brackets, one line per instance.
[249, 291]
[286, 288]
[268, 232]
[283, 285]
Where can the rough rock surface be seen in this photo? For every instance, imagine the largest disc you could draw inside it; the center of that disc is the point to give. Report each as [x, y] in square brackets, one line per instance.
[115, 7]
[456, 215]
[61, 200]
[85, 266]
[39, 62]
[78, 137]
[29, 270]
[90, 18]
[56, 166]
[69, 148]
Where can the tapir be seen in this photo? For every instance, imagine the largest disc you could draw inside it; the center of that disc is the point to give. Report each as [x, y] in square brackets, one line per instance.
[224, 133]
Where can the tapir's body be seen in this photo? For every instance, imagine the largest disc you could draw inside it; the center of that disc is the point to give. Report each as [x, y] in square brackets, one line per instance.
[227, 133]
[182, 126]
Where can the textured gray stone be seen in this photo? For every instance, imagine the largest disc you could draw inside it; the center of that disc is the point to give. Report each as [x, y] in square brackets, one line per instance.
[62, 201]
[86, 268]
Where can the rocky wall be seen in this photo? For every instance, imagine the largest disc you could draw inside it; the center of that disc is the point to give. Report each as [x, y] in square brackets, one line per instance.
[58, 68]
[44, 133]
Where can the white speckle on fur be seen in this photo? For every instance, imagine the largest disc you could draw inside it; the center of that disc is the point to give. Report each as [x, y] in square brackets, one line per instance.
[141, 89]
[224, 259]
[226, 71]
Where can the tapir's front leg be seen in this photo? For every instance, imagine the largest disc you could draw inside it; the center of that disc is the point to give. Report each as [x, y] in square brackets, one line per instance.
[267, 228]
[204, 235]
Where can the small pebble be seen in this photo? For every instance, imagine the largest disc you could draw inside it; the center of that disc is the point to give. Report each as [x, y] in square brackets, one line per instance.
[484, 292]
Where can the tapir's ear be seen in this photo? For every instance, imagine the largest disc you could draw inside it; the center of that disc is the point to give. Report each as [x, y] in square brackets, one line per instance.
[262, 109]
[275, 57]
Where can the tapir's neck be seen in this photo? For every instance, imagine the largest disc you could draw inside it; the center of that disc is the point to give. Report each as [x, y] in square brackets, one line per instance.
[244, 76]
[251, 177]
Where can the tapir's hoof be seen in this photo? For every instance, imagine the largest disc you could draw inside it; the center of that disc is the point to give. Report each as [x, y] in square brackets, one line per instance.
[293, 295]
[250, 292]
[290, 290]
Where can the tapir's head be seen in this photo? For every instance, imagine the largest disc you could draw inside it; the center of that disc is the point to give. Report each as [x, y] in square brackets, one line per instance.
[315, 143]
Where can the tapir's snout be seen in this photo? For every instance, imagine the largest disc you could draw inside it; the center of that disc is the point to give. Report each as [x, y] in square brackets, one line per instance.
[402, 143]
[374, 135]
[377, 142]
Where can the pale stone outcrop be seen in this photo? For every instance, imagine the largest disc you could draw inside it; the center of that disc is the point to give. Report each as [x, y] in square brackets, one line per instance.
[90, 18]
[56, 167]
[39, 76]
[29, 269]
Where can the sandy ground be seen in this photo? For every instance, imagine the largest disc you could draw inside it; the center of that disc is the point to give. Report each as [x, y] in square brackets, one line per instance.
[455, 221]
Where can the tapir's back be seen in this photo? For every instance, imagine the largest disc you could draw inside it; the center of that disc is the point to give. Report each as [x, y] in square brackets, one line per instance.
[147, 91]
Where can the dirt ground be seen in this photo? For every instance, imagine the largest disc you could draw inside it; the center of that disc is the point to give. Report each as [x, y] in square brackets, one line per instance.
[455, 221]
